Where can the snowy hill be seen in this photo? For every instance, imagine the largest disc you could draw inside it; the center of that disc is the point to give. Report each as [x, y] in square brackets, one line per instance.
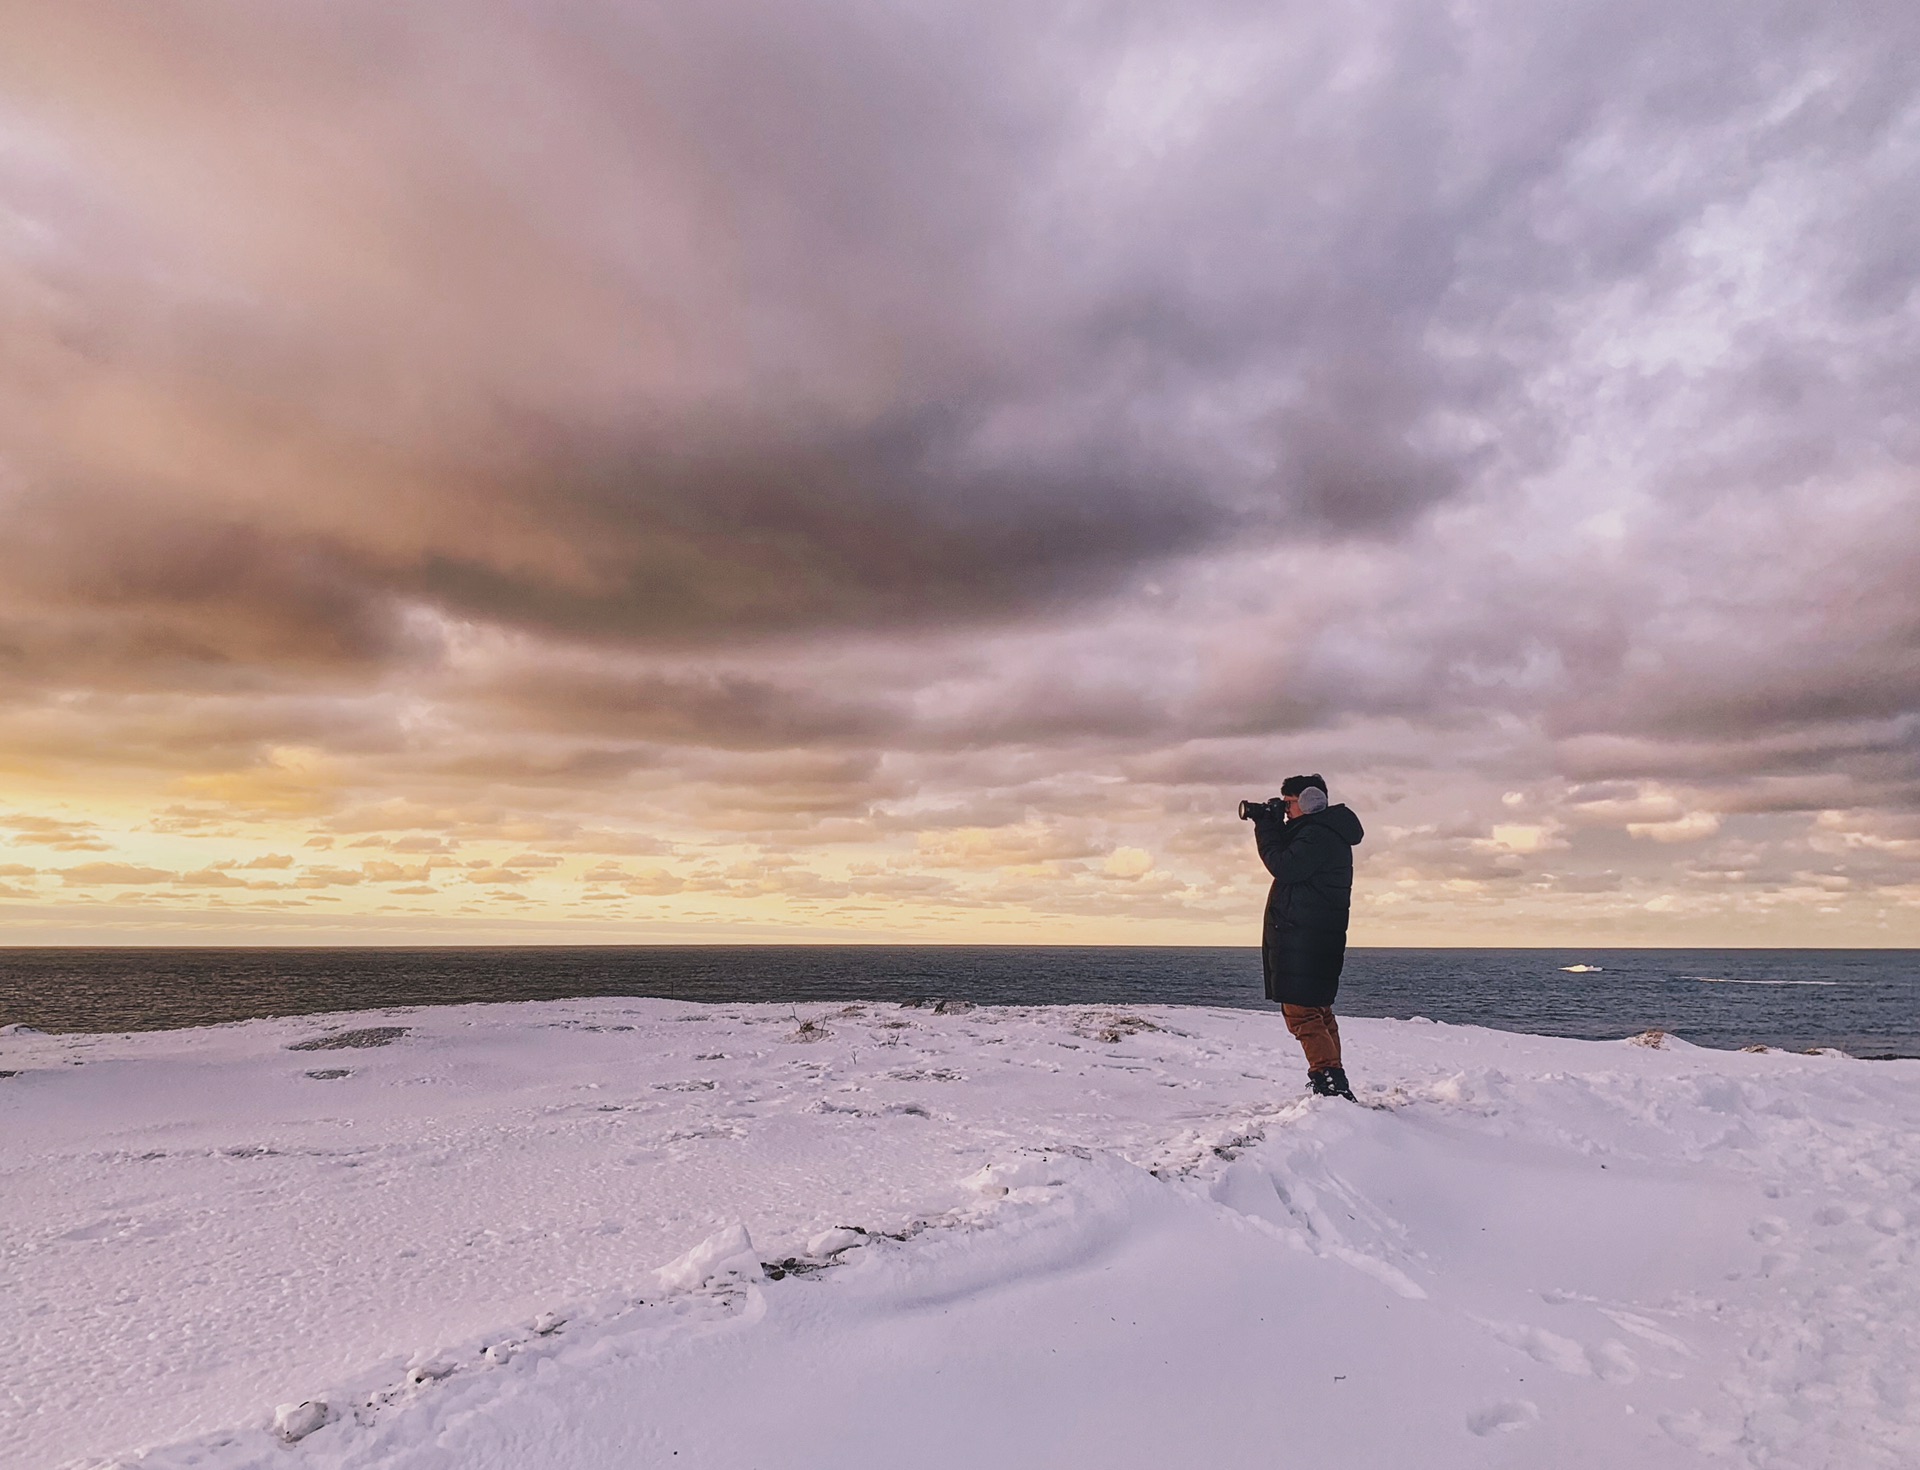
[631, 1232]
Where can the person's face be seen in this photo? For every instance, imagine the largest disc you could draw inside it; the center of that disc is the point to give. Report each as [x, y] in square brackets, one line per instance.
[1293, 807]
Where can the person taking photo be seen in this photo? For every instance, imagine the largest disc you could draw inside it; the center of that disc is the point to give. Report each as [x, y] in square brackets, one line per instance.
[1308, 847]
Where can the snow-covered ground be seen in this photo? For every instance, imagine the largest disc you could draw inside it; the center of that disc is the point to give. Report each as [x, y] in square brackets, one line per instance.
[533, 1236]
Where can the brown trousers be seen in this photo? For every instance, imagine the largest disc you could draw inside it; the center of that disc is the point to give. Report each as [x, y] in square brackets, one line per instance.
[1317, 1032]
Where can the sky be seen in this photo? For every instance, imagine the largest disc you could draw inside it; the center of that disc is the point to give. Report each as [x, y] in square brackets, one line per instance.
[831, 471]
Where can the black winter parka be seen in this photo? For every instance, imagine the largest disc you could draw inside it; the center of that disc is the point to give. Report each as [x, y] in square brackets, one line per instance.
[1304, 942]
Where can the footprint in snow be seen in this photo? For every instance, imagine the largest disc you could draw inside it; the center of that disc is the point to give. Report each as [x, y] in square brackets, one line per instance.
[1506, 1415]
[1549, 1349]
[1614, 1362]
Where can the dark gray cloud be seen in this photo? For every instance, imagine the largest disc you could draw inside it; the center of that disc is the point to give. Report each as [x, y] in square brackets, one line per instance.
[642, 323]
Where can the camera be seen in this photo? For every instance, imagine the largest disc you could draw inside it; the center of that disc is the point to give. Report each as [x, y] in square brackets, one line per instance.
[1274, 807]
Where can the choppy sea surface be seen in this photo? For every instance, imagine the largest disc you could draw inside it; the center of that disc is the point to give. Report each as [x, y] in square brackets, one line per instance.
[1865, 1002]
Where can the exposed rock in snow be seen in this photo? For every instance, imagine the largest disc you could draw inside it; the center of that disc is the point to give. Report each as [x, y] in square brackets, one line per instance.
[832, 1242]
[725, 1255]
[296, 1421]
[358, 1039]
[428, 1368]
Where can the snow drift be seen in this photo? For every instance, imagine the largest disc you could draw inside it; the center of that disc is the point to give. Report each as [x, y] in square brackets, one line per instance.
[642, 1232]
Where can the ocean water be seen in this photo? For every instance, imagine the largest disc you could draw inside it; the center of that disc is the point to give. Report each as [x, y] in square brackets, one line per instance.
[1865, 1002]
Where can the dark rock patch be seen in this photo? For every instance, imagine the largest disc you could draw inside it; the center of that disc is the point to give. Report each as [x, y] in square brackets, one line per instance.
[351, 1040]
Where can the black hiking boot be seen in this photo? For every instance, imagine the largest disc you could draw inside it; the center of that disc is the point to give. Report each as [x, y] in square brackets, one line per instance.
[1330, 1082]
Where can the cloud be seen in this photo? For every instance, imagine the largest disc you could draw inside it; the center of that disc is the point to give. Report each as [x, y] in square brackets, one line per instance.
[493, 873]
[1520, 837]
[649, 883]
[286, 781]
[211, 877]
[386, 872]
[1690, 827]
[1028, 844]
[967, 437]
[61, 836]
[1128, 863]
[91, 875]
[876, 350]
[328, 877]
